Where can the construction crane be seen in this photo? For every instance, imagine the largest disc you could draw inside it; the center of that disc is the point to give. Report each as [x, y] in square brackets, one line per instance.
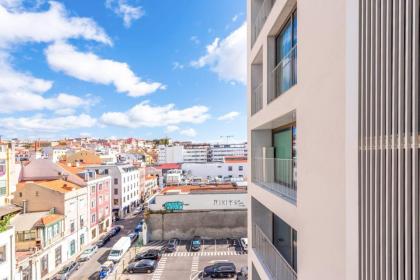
[227, 138]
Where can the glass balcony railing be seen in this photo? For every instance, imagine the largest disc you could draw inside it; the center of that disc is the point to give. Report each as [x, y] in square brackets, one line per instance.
[275, 264]
[284, 75]
[257, 99]
[277, 175]
[260, 19]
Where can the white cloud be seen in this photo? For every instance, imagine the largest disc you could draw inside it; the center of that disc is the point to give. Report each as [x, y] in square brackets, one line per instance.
[145, 115]
[23, 92]
[127, 12]
[47, 26]
[171, 128]
[40, 124]
[91, 68]
[235, 18]
[227, 57]
[190, 132]
[228, 117]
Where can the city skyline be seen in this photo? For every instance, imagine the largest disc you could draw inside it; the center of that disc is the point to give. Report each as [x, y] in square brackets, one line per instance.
[106, 69]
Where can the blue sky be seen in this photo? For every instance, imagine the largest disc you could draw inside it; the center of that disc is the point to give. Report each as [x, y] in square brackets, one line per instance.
[123, 68]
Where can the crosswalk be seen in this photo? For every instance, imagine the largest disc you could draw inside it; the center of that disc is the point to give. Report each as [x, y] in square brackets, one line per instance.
[203, 254]
[159, 269]
[194, 265]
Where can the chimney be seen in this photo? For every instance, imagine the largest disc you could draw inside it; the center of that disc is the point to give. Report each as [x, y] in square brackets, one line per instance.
[25, 206]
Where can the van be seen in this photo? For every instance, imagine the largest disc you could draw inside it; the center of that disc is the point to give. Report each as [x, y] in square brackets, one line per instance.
[119, 249]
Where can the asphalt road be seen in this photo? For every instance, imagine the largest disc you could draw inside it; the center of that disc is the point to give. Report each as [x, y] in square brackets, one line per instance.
[89, 269]
[186, 265]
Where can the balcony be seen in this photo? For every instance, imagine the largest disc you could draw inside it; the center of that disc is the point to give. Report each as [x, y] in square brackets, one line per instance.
[270, 257]
[284, 74]
[276, 175]
[261, 16]
[257, 99]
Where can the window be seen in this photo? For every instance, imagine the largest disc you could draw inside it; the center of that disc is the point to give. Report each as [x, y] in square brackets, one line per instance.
[115, 201]
[100, 187]
[72, 247]
[92, 189]
[72, 228]
[100, 199]
[3, 253]
[93, 233]
[115, 181]
[286, 56]
[106, 171]
[20, 194]
[115, 191]
[44, 265]
[93, 203]
[36, 193]
[82, 239]
[230, 168]
[57, 256]
[93, 218]
[82, 222]
[241, 168]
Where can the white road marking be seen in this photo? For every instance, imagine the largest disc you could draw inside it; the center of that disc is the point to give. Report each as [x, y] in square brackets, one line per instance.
[202, 254]
[159, 269]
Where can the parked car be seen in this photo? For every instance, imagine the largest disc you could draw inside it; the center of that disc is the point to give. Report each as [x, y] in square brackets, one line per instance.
[133, 236]
[67, 270]
[115, 230]
[243, 273]
[137, 211]
[173, 241]
[143, 266]
[103, 240]
[151, 254]
[170, 248]
[88, 253]
[196, 243]
[106, 269]
[220, 270]
[244, 244]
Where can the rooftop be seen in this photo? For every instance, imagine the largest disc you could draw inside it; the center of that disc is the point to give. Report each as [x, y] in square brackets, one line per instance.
[27, 221]
[58, 185]
[218, 188]
[169, 166]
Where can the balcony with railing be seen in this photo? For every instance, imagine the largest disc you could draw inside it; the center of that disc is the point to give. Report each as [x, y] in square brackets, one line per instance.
[271, 259]
[277, 175]
[257, 99]
[284, 74]
[263, 10]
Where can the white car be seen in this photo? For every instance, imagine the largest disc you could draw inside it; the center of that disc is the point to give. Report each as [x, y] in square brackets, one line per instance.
[244, 244]
[88, 253]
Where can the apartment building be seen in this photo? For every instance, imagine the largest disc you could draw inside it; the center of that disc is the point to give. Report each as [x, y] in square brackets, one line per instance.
[125, 186]
[333, 124]
[98, 185]
[170, 154]
[218, 152]
[196, 152]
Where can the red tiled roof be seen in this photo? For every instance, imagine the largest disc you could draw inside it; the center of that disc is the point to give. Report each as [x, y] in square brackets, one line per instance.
[169, 166]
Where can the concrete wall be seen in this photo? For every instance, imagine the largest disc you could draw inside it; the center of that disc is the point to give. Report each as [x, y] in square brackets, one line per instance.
[215, 169]
[207, 224]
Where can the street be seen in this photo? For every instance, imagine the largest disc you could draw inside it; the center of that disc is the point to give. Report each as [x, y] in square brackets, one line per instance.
[90, 268]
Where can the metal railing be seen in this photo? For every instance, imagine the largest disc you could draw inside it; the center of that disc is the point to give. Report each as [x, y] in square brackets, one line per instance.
[257, 99]
[260, 18]
[277, 175]
[270, 257]
[284, 75]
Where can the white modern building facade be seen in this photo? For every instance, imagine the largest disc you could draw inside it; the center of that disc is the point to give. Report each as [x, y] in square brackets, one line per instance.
[170, 154]
[218, 152]
[333, 125]
[216, 170]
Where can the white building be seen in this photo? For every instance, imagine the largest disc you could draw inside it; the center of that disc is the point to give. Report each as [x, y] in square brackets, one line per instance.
[9, 172]
[230, 169]
[55, 154]
[125, 187]
[196, 153]
[219, 151]
[7, 253]
[170, 154]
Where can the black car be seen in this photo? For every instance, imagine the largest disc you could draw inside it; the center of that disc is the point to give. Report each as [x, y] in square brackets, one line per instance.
[115, 230]
[143, 266]
[196, 243]
[242, 274]
[103, 240]
[67, 270]
[133, 236]
[149, 255]
[220, 270]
